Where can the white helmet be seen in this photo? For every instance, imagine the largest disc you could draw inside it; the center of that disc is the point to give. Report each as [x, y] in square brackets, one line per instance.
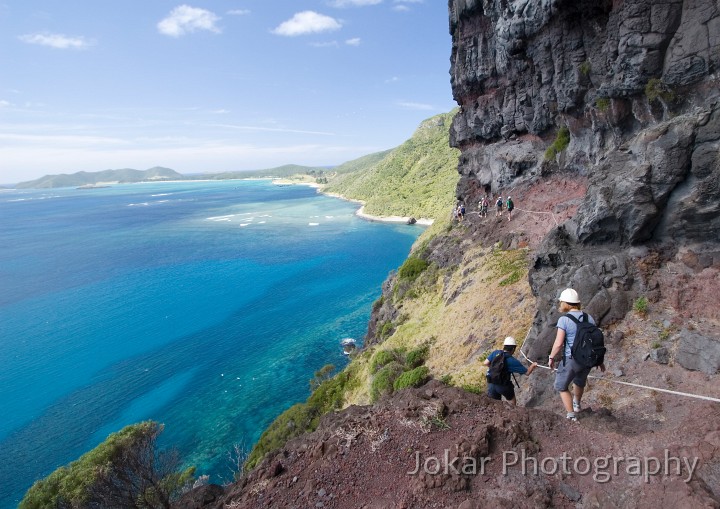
[509, 341]
[570, 296]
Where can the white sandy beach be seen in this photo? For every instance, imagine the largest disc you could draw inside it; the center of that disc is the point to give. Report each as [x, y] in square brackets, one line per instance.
[383, 219]
[391, 219]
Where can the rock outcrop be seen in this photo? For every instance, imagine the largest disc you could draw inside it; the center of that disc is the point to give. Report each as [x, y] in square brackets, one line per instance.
[635, 85]
[438, 446]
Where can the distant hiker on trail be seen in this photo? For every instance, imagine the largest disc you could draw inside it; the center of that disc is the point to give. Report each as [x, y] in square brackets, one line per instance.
[484, 204]
[510, 206]
[498, 206]
[460, 211]
[502, 365]
[574, 365]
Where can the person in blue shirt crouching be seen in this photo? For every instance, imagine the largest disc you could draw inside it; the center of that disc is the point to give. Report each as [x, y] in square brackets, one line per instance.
[502, 386]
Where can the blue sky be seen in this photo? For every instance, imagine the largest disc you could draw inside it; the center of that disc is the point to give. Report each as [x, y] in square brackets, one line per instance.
[214, 85]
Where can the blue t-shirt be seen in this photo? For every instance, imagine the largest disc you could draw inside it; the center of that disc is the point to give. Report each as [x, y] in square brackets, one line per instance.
[514, 365]
[570, 329]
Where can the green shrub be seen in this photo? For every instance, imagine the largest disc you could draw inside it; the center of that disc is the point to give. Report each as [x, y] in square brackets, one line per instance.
[386, 330]
[381, 358]
[447, 379]
[602, 103]
[291, 423]
[585, 68]
[304, 417]
[641, 306]
[664, 334]
[413, 378]
[417, 357]
[383, 381]
[656, 89]
[378, 303]
[125, 470]
[412, 268]
[562, 140]
[321, 375]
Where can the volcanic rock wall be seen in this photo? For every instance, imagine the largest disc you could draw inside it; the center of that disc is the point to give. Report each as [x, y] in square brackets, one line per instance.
[635, 84]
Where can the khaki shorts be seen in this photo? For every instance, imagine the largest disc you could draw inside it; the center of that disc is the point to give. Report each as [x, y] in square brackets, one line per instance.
[570, 372]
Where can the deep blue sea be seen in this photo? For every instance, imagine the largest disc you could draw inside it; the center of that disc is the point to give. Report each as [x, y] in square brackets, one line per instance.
[206, 306]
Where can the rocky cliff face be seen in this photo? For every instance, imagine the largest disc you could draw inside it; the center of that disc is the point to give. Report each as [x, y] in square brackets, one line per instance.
[635, 85]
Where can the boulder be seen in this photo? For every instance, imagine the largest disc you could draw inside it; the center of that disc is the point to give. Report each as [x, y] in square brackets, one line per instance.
[698, 353]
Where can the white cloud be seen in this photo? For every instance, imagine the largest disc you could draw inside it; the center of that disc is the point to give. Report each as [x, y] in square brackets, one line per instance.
[184, 20]
[307, 22]
[4, 104]
[58, 41]
[402, 5]
[239, 12]
[353, 3]
[355, 41]
[415, 106]
[326, 44]
[394, 79]
[271, 129]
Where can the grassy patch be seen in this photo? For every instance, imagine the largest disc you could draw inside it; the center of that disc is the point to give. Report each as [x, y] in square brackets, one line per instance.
[602, 103]
[413, 378]
[412, 268]
[641, 306]
[474, 388]
[562, 140]
[507, 267]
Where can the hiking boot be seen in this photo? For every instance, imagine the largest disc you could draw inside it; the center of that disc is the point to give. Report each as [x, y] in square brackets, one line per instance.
[571, 417]
[576, 406]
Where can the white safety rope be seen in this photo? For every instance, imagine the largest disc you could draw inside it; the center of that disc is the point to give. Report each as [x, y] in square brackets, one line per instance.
[677, 393]
[538, 212]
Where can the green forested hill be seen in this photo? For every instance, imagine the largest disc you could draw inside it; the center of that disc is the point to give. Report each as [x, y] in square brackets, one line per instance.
[416, 179]
[287, 170]
[83, 178]
[361, 163]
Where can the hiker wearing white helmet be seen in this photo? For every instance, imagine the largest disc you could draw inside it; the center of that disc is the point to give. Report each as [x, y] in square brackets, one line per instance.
[569, 370]
[501, 369]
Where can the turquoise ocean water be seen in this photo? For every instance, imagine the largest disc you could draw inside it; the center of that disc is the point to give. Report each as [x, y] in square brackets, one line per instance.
[206, 306]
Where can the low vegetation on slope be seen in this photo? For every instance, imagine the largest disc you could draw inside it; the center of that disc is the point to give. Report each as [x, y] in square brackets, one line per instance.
[417, 179]
[448, 319]
[126, 470]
